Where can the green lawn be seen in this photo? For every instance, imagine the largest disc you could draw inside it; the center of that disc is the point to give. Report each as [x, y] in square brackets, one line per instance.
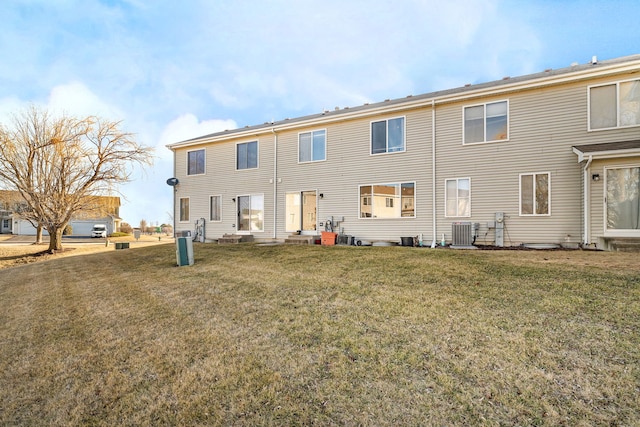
[293, 335]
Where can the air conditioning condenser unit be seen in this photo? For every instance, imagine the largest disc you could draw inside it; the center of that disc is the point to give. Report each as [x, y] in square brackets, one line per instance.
[462, 233]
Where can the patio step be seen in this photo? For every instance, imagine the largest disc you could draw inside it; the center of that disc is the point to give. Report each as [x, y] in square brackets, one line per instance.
[300, 239]
[629, 244]
[235, 238]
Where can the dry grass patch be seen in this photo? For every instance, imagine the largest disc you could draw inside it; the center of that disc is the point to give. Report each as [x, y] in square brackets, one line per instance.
[12, 255]
[256, 335]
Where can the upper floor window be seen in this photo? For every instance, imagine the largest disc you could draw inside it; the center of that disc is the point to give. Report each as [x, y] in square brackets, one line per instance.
[535, 194]
[247, 155]
[614, 105]
[387, 136]
[486, 122]
[195, 162]
[388, 200]
[312, 146]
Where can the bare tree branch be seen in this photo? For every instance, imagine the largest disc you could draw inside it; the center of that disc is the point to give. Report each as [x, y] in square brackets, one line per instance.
[60, 164]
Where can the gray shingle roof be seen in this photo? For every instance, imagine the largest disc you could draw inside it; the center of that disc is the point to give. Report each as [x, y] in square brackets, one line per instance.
[575, 68]
[608, 146]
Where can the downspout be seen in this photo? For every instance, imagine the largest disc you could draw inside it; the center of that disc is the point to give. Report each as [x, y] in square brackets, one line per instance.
[433, 172]
[587, 209]
[174, 190]
[275, 183]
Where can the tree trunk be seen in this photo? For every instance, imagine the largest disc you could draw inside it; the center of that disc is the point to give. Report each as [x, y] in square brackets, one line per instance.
[55, 239]
[39, 234]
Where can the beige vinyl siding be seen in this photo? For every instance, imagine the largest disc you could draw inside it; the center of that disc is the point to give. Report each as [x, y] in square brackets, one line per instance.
[543, 127]
[222, 178]
[349, 164]
[597, 226]
[596, 198]
[545, 122]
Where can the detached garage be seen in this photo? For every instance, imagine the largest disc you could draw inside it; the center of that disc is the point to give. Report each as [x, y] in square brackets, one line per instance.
[100, 210]
[79, 227]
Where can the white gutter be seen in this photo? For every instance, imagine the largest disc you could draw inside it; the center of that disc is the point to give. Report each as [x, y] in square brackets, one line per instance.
[433, 171]
[275, 183]
[607, 154]
[587, 209]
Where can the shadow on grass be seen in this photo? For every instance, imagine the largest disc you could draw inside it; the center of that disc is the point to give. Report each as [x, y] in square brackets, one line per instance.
[34, 256]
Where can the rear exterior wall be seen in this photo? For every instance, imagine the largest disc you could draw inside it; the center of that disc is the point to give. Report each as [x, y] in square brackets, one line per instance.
[544, 124]
[349, 164]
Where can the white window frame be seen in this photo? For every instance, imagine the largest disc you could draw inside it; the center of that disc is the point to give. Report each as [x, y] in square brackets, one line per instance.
[484, 118]
[457, 215]
[615, 232]
[180, 219]
[386, 121]
[219, 196]
[370, 200]
[313, 132]
[257, 155]
[534, 174]
[204, 162]
[251, 197]
[617, 104]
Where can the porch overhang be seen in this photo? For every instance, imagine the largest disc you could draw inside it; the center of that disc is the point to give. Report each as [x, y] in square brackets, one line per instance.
[607, 150]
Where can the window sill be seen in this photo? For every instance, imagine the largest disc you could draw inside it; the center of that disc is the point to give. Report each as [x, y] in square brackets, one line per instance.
[495, 141]
[613, 128]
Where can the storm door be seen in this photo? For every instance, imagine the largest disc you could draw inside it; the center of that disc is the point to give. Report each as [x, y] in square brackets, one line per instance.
[251, 213]
[301, 212]
[623, 199]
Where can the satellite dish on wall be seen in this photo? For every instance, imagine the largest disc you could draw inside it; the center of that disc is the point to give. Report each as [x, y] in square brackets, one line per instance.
[172, 182]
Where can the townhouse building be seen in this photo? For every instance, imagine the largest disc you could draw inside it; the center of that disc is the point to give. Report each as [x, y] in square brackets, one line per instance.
[547, 158]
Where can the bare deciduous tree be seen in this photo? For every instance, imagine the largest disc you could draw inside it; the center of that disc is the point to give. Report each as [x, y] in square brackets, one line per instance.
[60, 164]
[143, 225]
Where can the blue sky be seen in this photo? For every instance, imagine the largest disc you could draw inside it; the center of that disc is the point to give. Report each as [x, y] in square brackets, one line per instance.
[176, 70]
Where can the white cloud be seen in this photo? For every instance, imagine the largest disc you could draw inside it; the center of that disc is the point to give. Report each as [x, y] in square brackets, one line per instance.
[188, 126]
[73, 99]
[76, 99]
[9, 107]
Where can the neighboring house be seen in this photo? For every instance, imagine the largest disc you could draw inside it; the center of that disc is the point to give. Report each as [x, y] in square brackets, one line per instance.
[104, 210]
[552, 157]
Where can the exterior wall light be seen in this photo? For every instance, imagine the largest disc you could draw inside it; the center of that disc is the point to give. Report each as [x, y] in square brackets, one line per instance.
[595, 177]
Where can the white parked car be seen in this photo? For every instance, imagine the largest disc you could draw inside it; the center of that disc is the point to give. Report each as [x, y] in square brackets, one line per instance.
[99, 230]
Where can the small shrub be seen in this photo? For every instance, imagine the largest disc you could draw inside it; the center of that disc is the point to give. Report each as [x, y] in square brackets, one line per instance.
[118, 234]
